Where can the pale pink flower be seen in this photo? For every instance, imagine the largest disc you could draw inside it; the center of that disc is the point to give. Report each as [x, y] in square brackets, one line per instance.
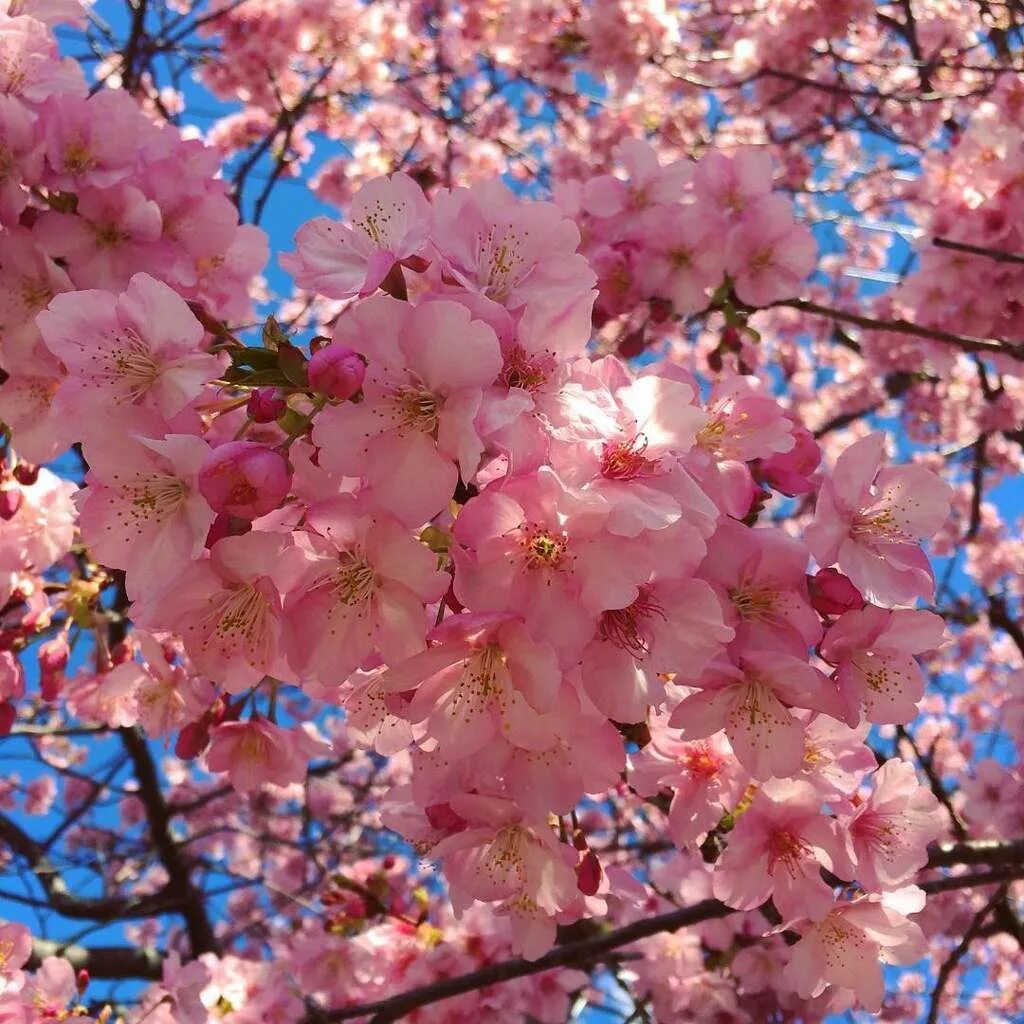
[892, 828]
[109, 698]
[704, 777]
[647, 183]
[27, 406]
[390, 220]
[92, 142]
[873, 649]
[869, 519]
[167, 696]
[141, 510]
[503, 857]
[836, 758]
[635, 466]
[768, 254]
[730, 185]
[258, 752]
[532, 547]
[761, 576]
[364, 589]
[227, 608]
[777, 849]
[111, 234]
[684, 260]
[29, 68]
[848, 948]
[751, 701]
[673, 626]
[511, 251]
[140, 348]
[483, 677]
[413, 433]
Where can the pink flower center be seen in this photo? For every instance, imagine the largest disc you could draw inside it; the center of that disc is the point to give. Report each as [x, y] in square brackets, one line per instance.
[354, 581]
[625, 460]
[879, 525]
[626, 628]
[787, 850]
[520, 371]
[701, 763]
[419, 408]
[544, 549]
[753, 602]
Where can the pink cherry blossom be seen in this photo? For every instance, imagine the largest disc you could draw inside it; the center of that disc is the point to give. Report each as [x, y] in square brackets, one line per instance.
[848, 948]
[390, 219]
[227, 608]
[778, 847]
[364, 589]
[768, 254]
[751, 701]
[258, 752]
[873, 650]
[137, 349]
[413, 433]
[869, 519]
[891, 830]
[142, 510]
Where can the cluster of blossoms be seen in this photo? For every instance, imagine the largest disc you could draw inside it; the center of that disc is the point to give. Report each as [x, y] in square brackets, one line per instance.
[501, 553]
[535, 579]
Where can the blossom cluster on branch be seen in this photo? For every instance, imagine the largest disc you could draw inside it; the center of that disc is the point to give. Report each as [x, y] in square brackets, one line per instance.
[518, 583]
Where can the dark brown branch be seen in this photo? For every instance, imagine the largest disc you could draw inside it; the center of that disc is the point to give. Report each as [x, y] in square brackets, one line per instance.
[999, 255]
[109, 962]
[179, 881]
[986, 346]
[588, 950]
[958, 953]
[1006, 859]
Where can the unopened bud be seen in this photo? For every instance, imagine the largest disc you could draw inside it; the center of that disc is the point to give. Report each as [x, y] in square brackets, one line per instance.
[832, 593]
[337, 371]
[10, 502]
[26, 473]
[266, 404]
[245, 479]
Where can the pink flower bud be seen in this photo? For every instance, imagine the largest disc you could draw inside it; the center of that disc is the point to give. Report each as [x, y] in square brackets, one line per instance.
[791, 472]
[226, 526]
[266, 404]
[443, 818]
[82, 981]
[12, 676]
[832, 593]
[588, 874]
[10, 502]
[53, 659]
[337, 371]
[245, 479]
[26, 474]
[192, 740]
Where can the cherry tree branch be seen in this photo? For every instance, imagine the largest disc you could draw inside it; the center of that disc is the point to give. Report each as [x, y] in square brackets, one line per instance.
[986, 346]
[958, 953]
[1005, 859]
[108, 962]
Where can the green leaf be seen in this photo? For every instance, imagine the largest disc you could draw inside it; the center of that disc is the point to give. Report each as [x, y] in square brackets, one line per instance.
[293, 365]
